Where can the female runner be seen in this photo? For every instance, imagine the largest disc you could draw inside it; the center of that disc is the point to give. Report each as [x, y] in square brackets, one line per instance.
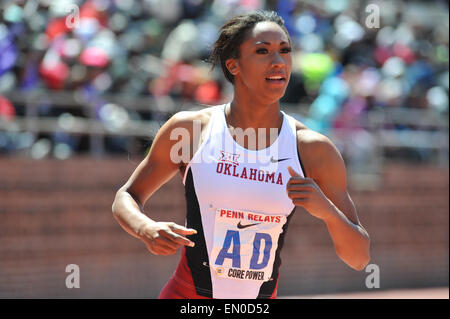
[241, 183]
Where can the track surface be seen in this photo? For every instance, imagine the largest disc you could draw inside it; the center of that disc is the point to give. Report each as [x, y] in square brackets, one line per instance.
[426, 293]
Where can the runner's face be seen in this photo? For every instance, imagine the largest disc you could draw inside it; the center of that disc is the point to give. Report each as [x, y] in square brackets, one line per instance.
[265, 62]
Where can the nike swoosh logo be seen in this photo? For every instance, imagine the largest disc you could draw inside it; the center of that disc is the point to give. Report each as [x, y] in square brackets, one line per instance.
[278, 160]
[240, 226]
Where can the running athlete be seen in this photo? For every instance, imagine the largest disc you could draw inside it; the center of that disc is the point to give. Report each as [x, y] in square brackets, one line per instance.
[241, 183]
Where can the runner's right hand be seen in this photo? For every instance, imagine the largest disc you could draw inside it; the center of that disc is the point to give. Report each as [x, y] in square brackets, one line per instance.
[165, 238]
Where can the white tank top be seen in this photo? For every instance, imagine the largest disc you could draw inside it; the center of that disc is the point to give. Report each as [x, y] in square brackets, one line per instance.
[243, 209]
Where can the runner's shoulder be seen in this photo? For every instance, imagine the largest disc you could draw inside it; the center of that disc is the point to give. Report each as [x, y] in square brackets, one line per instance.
[309, 138]
[187, 119]
[315, 148]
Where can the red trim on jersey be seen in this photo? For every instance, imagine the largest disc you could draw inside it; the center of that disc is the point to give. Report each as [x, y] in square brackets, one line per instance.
[274, 294]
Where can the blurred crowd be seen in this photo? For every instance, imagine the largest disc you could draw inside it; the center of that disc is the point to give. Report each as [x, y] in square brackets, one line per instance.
[350, 56]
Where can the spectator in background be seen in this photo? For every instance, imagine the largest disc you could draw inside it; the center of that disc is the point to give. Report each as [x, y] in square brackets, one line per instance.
[129, 31]
[158, 48]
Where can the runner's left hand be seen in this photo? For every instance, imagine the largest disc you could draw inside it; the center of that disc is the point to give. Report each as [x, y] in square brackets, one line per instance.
[305, 192]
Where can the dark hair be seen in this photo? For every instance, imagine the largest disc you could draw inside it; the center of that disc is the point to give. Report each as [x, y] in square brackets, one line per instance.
[233, 33]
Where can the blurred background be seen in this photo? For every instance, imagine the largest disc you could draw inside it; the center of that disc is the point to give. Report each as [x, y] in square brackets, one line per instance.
[85, 86]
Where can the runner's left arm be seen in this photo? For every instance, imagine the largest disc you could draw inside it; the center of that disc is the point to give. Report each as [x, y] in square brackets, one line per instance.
[323, 193]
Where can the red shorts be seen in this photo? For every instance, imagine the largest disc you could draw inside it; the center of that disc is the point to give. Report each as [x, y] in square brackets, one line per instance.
[181, 285]
[174, 289]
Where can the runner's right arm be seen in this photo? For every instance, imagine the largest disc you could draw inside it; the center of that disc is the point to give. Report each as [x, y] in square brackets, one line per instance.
[161, 238]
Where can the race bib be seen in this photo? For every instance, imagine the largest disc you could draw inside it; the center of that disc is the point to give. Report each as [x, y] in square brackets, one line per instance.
[245, 244]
